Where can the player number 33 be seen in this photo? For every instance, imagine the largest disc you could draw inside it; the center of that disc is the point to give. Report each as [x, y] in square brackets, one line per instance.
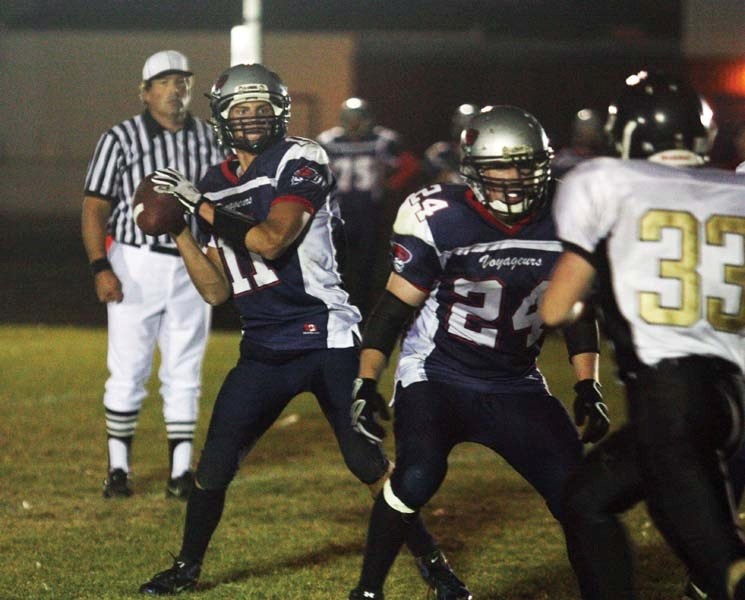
[685, 270]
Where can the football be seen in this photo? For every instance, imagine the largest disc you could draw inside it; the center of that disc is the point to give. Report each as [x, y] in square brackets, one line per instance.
[154, 212]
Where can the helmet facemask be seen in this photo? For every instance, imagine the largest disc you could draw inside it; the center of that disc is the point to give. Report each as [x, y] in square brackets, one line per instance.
[235, 131]
[513, 197]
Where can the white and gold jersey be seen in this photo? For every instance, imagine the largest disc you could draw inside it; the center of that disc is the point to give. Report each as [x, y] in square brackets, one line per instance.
[669, 248]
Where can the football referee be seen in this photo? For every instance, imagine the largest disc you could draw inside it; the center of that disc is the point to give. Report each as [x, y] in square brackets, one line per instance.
[149, 296]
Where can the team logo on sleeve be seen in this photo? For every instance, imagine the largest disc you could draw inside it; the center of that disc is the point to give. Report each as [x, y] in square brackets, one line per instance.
[306, 173]
[401, 256]
[310, 329]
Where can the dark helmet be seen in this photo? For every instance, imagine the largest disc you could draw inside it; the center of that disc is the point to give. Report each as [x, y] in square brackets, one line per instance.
[461, 117]
[246, 83]
[662, 119]
[502, 137]
[356, 117]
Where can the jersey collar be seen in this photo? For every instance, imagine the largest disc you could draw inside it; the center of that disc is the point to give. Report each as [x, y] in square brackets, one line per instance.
[485, 214]
[154, 128]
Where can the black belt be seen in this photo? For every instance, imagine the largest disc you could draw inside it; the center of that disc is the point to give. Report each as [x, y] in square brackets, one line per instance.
[154, 248]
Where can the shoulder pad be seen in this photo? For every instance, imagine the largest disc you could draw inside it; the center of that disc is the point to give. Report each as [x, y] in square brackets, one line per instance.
[412, 217]
[307, 149]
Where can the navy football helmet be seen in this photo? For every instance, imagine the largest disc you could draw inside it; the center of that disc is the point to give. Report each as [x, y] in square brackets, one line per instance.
[501, 137]
[356, 117]
[662, 119]
[247, 83]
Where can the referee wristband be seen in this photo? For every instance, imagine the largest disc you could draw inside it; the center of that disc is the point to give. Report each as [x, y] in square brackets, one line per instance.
[100, 264]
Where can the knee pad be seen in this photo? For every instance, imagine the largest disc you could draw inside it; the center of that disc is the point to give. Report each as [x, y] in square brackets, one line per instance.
[416, 484]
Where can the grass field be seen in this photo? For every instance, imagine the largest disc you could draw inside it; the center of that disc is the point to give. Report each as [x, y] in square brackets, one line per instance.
[295, 519]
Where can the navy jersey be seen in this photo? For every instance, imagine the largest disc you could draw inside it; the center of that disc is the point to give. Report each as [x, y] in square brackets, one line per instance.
[296, 301]
[361, 165]
[479, 326]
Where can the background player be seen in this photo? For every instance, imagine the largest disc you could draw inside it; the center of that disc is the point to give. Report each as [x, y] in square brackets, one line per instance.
[373, 170]
[141, 278]
[587, 141]
[272, 221]
[666, 245]
[470, 263]
[441, 163]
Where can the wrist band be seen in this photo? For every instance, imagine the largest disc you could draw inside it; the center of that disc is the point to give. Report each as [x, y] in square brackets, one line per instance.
[100, 264]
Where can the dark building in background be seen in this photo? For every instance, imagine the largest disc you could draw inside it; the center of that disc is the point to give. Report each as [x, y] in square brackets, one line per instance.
[420, 58]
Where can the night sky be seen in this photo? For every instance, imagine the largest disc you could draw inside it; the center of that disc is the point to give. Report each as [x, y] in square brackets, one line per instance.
[553, 19]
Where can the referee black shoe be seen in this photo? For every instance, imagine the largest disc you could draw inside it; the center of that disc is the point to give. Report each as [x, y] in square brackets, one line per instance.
[438, 574]
[182, 576]
[116, 485]
[180, 487]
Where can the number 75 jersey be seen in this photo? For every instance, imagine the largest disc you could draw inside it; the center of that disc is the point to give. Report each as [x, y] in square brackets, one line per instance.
[668, 246]
[479, 327]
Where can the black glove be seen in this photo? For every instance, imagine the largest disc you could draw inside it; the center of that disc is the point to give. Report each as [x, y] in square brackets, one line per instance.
[589, 406]
[367, 407]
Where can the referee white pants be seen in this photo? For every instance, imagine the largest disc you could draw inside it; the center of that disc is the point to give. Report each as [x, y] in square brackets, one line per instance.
[160, 304]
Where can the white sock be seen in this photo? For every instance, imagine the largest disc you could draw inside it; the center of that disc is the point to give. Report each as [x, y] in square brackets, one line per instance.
[181, 460]
[118, 452]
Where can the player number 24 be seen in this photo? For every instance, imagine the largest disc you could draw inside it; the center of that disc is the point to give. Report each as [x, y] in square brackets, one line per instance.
[685, 270]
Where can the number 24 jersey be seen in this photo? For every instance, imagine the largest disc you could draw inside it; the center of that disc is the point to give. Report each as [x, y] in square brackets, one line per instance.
[479, 327]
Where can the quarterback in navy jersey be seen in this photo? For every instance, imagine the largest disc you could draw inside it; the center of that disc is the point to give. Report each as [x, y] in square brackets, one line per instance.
[470, 264]
[294, 301]
[272, 224]
[663, 238]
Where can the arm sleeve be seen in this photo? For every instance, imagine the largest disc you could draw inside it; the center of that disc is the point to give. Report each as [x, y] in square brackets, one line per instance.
[413, 253]
[304, 175]
[103, 178]
[585, 207]
[582, 335]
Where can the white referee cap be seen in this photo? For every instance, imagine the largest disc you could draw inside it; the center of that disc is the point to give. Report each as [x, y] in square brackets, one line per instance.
[165, 62]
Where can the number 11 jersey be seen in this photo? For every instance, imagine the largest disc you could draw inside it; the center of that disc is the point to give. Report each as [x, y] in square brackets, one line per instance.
[295, 302]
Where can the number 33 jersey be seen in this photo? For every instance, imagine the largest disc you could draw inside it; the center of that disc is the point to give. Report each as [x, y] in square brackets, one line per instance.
[479, 327]
[668, 246]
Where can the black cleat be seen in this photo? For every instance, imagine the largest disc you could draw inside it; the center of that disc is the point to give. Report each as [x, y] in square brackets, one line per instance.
[182, 576]
[116, 485]
[181, 486]
[359, 593]
[439, 576]
[693, 592]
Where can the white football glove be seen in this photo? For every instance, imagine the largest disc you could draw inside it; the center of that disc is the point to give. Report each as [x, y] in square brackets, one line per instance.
[170, 181]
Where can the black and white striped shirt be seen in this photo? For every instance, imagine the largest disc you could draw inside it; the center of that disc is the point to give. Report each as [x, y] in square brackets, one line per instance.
[135, 148]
